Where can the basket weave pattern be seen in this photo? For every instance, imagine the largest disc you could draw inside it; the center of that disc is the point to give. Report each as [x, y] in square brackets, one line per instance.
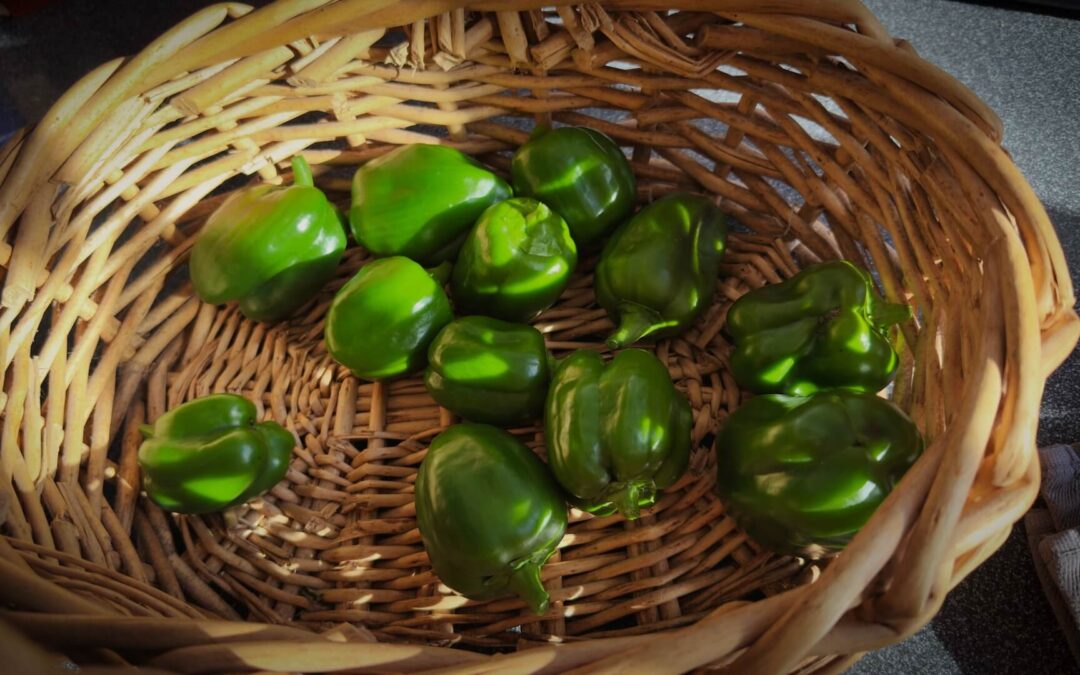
[815, 129]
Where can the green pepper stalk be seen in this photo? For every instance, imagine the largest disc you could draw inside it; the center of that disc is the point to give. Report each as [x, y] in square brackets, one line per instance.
[581, 174]
[420, 201]
[382, 321]
[802, 474]
[487, 370]
[210, 454]
[658, 271]
[824, 328]
[271, 248]
[616, 434]
[515, 262]
[489, 514]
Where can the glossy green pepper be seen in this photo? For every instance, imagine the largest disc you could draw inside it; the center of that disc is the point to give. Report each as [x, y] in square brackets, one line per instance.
[382, 321]
[209, 454]
[487, 370]
[515, 262]
[616, 434]
[269, 247]
[824, 328]
[801, 475]
[658, 272]
[420, 201]
[581, 174]
[489, 514]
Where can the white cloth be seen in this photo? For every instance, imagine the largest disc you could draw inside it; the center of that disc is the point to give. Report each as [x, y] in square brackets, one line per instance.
[1054, 536]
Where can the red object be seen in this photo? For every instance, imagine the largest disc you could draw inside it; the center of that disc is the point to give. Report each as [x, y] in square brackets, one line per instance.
[23, 7]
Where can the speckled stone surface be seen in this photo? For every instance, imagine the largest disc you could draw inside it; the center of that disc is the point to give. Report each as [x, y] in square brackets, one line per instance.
[1026, 66]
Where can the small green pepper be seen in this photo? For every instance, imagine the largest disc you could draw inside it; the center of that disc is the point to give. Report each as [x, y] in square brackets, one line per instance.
[618, 433]
[489, 514]
[658, 272]
[382, 321]
[581, 174]
[209, 454]
[270, 247]
[420, 201]
[824, 328]
[488, 370]
[515, 263]
[802, 474]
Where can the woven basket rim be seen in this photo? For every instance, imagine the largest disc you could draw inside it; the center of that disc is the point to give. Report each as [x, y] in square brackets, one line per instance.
[926, 537]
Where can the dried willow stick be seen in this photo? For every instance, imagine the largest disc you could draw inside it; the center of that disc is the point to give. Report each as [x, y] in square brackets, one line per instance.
[225, 83]
[347, 48]
[35, 152]
[25, 589]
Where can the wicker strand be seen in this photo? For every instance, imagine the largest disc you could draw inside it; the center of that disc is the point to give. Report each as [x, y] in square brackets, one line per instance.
[809, 124]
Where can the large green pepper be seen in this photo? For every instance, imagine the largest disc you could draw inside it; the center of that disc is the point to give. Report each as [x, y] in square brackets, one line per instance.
[616, 434]
[658, 272]
[489, 514]
[270, 247]
[209, 454]
[581, 174]
[824, 328]
[488, 370]
[802, 474]
[382, 321]
[420, 201]
[516, 261]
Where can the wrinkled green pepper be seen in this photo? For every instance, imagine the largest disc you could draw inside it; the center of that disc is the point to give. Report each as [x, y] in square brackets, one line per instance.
[209, 454]
[824, 328]
[658, 271]
[420, 201]
[801, 475]
[269, 247]
[515, 262]
[489, 514]
[581, 174]
[487, 370]
[382, 321]
[616, 433]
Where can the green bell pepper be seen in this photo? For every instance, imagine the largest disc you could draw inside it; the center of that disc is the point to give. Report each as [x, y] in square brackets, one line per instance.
[616, 434]
[658, 272]
[515, 262]
[824, 328]
[581, 174]
[801, 475]
[209, 454]
[489, 514]
[269, 247]
[382, 321]
[420, 201]
[488, 370]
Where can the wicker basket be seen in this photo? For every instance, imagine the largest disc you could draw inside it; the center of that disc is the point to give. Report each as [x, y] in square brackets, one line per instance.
[821, 134]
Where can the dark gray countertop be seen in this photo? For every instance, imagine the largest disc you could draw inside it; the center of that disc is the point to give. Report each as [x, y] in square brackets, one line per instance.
[1023, 64]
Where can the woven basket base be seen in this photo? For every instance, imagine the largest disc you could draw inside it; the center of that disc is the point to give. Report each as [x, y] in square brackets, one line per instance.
[337, 540]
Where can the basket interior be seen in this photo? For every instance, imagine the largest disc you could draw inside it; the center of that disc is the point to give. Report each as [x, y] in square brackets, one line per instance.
[812, 157]
[337, 541]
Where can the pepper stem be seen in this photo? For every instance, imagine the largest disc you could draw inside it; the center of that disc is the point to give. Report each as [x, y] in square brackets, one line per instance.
[552, 363]
[525, 581]
[628, 499]
[302, 172]
[887, 314]
[539, 130]
[441, 272]
[635, 322]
